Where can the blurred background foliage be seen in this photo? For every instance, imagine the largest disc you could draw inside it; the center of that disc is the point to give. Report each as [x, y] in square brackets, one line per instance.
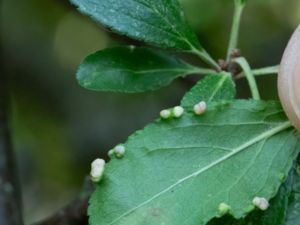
[59, 128]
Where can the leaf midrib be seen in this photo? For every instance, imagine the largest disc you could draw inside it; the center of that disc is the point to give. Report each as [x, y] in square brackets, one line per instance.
[184, 71]
[175, 31]
[264, 135]
[218, 87]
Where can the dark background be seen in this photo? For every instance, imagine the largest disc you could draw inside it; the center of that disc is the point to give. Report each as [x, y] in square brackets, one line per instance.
[58, 128]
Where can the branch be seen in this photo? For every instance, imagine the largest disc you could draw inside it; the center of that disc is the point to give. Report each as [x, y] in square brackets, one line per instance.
[271, 70]
[10, 207]
[234, 35]
[74, 213]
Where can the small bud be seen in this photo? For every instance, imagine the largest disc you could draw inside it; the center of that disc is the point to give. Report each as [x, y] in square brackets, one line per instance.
[224, 208]
[200, 108]
[119, 151]
[261, 203]
[97, 170]
[111, 153]
[165, 114]
[177, 111]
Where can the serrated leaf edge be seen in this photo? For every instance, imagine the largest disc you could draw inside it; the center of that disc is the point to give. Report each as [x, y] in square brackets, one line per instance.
[267, 134]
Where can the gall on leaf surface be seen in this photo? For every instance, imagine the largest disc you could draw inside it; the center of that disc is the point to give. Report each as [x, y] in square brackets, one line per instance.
[179, 171]
[280, 212]
[213, 87]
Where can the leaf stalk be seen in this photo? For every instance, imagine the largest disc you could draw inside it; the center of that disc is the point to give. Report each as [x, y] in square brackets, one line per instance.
[249, 76]
[205, 57]
[262, 71]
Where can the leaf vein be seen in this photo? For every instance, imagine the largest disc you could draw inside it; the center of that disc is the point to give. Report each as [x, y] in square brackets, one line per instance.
[235, 151]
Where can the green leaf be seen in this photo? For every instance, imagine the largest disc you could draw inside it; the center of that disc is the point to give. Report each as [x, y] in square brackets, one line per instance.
[130, 69]
[158, 22]
[178, 171]
[293, 214]
[211, 88]
[275, 215]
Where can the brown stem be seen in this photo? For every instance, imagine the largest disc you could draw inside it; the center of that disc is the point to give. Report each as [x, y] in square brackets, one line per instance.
[74, 213]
